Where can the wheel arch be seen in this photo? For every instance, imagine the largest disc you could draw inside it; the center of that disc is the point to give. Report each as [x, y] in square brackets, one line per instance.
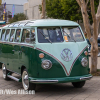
[22, 68]
[1, 64]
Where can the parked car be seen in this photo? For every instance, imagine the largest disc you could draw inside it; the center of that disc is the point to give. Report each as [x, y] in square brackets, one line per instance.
[44, 52]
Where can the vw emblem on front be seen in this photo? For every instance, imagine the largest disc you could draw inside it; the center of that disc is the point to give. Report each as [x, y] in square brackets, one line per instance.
[66, 54]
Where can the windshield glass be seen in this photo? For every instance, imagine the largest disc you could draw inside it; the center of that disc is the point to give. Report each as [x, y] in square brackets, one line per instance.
[49, 35]
[72, 34]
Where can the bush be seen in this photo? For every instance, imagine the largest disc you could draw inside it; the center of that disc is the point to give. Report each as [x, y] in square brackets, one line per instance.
[18, 17]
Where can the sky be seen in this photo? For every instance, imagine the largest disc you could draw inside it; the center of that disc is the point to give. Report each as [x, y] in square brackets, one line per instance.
[18, 2]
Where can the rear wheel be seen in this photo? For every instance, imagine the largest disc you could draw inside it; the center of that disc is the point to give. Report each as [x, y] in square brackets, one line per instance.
[78, 84]
[5, 72]
[25, 81]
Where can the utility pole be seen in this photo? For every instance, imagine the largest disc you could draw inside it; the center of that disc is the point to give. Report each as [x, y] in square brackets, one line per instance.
[43, 9]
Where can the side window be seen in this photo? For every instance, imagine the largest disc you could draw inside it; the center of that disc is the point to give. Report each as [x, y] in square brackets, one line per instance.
[12, 35]
[26, 36]
[7, 34]
[17, 36]
[32, 35]
[3, 34]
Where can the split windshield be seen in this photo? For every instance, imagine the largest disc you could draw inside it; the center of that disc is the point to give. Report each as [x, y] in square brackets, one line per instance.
[72, 34]
[54, 34]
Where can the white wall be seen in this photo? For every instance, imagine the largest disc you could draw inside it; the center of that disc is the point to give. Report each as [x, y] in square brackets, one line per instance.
[33, 3]
[32, 8]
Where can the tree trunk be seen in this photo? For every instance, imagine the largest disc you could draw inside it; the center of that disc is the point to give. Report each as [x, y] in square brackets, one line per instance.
[94, 45]
[94, 58]
[92, 31]
[43, 9]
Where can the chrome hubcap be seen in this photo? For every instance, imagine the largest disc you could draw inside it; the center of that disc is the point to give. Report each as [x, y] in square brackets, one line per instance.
[4, 71]
[25, 80]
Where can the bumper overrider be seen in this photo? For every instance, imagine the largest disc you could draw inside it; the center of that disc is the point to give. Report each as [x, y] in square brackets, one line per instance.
[60, 80]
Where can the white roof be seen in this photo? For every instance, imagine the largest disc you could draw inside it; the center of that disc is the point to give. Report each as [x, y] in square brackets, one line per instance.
[43, 22]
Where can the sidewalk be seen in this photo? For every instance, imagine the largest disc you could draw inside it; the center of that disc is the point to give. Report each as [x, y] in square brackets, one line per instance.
[65, 91]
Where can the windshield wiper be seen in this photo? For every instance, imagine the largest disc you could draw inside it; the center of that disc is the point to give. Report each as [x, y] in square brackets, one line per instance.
[46, 37]
[69, 35]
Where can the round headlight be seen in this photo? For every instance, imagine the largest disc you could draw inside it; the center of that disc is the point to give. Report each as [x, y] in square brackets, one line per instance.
[84, 62]
[46, 64]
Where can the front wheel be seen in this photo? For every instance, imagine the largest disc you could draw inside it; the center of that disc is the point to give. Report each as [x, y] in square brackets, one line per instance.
[5, 72]
[78, 84]
[25, 81]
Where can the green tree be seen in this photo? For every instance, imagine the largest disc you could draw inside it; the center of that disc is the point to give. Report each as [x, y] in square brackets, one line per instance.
[18, 17]
[0, 2]
[91, 28]
[66, 9]
[71, 10]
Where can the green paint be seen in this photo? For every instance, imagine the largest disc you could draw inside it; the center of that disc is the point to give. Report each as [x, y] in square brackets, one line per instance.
[19, 54]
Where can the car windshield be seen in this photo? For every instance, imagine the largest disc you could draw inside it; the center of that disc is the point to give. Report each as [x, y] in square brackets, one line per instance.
[72, 34]
[54, 34]
[49, 35]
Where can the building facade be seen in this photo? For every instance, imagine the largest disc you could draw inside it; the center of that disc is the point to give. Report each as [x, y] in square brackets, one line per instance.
[31, 9]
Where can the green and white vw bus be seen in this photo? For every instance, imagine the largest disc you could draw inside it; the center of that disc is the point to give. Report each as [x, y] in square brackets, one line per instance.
[44, 52]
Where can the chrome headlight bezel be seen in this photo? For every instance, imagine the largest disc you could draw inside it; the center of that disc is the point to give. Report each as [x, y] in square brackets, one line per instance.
[84, 62]
[46, 64]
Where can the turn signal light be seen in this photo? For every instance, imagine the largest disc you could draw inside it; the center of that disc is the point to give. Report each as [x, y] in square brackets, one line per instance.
[41, 55]
[86, 53]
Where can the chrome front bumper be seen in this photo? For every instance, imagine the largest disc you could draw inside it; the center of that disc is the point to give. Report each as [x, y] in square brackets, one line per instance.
[43, 81]
[61, 80]
[86, 78]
